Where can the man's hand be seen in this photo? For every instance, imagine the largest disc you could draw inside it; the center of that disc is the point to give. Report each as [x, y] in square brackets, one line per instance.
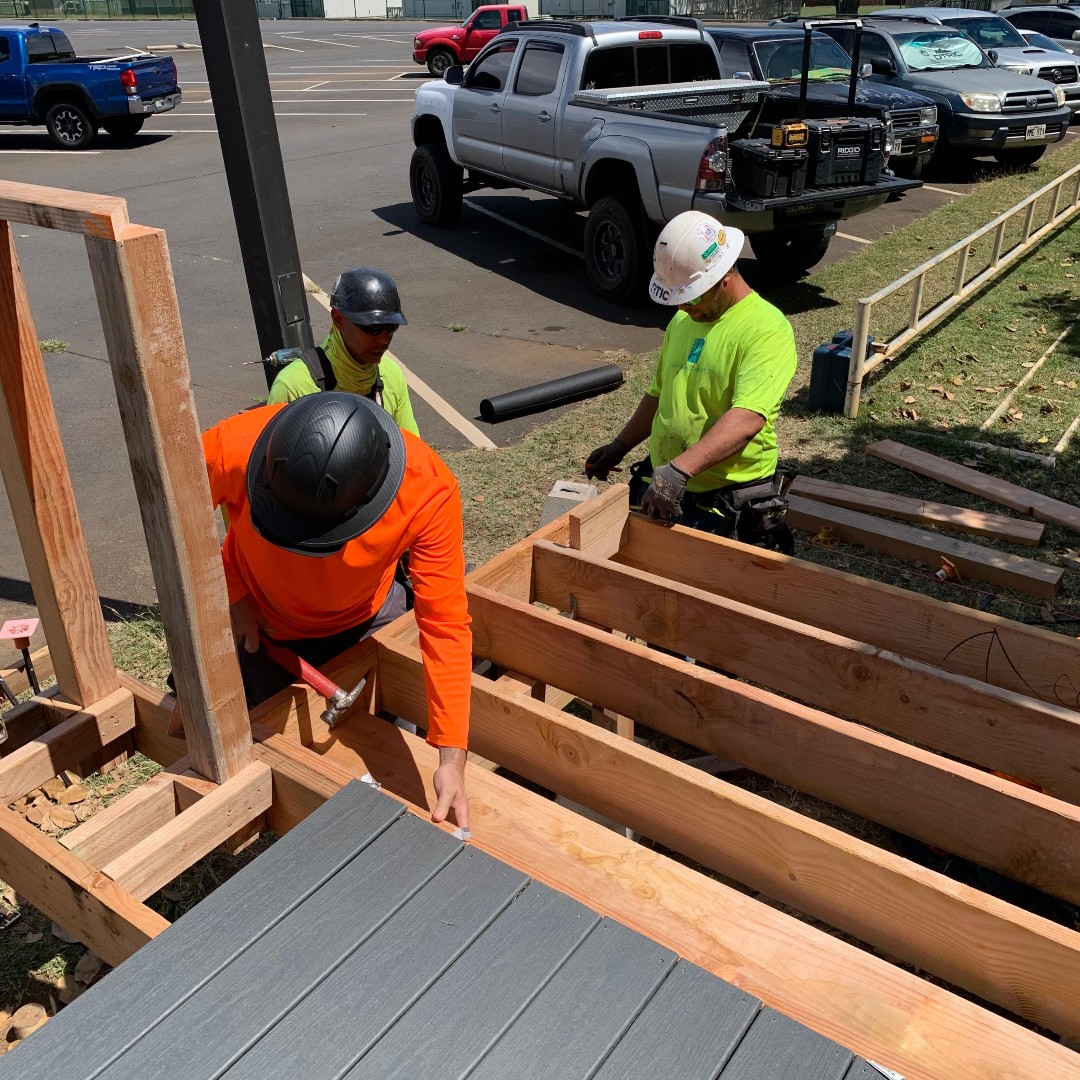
[449, 781]
[246, 623]
[664, 497]
[605, 458]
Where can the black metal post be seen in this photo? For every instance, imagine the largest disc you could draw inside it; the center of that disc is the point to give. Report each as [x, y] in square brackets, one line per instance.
[240, 86]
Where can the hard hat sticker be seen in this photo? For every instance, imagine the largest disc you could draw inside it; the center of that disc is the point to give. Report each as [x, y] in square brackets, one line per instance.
[659, 293]
[706, 232]
[710, 251]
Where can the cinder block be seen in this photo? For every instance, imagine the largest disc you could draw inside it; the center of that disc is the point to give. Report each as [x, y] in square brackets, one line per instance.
[564, 495]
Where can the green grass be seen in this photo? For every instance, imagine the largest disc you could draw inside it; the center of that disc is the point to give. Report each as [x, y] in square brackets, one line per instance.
[51, 345]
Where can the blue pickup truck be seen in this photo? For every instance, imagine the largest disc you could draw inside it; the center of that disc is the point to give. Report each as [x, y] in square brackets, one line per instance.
[42, 81]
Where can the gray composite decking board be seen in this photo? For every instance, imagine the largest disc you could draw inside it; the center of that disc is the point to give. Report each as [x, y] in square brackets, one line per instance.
[777, 1046]
[688, 1030]
[292, 957]
[446, 1032]
[574, 1022]
[347, 1013]
[139, 993]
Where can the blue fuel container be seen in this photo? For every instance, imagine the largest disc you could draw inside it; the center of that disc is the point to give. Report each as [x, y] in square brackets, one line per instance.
[829, 373]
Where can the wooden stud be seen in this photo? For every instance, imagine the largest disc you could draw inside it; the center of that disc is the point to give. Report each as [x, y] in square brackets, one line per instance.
[43, 505]
[972, 720]
[596, 526]
[78, 737]
[1017, 960]
[137, 299]
[971, 480]
[104, 916]
[1025, 659]
[153, 712]
[880, 1011]
[63, 210]
[973, 561]
[957, 518]
[171, 849]
[16, 678]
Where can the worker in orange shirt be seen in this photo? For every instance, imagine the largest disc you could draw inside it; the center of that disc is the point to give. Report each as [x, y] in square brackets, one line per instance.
[323, 496]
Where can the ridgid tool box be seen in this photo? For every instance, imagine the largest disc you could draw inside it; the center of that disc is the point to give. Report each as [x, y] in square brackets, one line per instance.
[767, 171]
[844, 151]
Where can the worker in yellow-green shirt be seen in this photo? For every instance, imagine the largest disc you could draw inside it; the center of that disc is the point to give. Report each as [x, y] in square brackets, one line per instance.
[724, 367]
[355, 357]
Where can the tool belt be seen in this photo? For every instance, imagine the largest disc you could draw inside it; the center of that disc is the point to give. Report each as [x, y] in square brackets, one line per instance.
[753, 512]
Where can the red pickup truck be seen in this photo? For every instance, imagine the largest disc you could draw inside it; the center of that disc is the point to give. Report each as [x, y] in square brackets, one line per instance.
[448, 45]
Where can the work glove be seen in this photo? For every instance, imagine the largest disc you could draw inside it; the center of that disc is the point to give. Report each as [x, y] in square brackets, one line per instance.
[605, 458]
[664, 497]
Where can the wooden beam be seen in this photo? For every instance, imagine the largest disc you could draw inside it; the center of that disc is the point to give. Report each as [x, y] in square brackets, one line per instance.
[106, 918]
[850, 995]
[1025, 659]
[25, 722]
[16, 678]
[43, 505]
[153, 712]
[597, 526]
[145, 341]
[168, 851]
[943, 515]
[974, 561]
[977, 483]
[994, 822]
[63, 210]
[1019, 961]
[972, 720]
[80, 736]
[522, 684]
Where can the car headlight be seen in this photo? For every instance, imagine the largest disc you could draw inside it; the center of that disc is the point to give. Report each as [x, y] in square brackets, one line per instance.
[1059, 95]
[982, 102]
[1020, 69]
[416, 43]
[928, 116]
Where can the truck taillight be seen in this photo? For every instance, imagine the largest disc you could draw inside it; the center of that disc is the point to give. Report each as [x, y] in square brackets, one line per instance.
[127, 80]
[713, 169]
[649, 35]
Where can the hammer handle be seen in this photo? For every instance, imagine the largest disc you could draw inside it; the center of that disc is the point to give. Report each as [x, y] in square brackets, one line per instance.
[299, 667]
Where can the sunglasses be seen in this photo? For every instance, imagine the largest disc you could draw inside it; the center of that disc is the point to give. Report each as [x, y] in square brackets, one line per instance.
[376, 329]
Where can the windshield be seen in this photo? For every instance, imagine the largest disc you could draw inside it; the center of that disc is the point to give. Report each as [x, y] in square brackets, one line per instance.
[989, 33]
[782, 61]
[939, 51]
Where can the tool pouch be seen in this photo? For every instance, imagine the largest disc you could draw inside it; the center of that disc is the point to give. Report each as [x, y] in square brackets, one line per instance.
[760, 512]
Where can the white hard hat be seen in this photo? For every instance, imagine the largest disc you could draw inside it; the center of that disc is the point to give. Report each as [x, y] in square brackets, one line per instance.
[691, 255]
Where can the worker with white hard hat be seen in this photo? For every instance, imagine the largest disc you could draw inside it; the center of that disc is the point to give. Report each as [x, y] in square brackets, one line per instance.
[724, 367]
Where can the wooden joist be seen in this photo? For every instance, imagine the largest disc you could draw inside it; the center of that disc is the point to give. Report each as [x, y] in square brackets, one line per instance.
[971, 560]
[972, 720]
[60, 209]
[1024, 963]
[977, 483]
[15, 676]
[1025, 659]
[85, 732]
[880, 1011]
[922, 511]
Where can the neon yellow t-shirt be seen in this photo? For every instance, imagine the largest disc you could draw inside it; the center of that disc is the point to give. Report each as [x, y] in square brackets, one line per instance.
[744, 360]
[295, 381]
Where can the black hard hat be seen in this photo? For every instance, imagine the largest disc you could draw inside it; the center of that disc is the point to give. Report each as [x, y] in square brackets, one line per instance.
[324, 470]
[367, 297]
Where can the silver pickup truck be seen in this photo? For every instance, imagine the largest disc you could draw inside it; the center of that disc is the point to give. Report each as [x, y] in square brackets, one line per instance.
[629, 119]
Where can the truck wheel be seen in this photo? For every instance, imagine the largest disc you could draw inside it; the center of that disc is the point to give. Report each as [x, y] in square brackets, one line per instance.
[70, 126]
[1021, 158]
[124, 127]
[789, 255]
[436, 185]
[614, 250]
[439, 60]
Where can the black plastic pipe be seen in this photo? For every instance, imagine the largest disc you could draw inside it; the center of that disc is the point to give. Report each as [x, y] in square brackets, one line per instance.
[547, 395]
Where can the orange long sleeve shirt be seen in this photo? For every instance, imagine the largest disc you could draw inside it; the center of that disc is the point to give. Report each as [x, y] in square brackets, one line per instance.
[301, 596]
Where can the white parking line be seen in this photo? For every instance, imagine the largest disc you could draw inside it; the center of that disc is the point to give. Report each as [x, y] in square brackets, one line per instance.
[314, 86]
[174, 131]
[320, 41]
[276, 113]
[522, 228]
[284, 48]
[856, 239]
[83, 152]
[943, 191]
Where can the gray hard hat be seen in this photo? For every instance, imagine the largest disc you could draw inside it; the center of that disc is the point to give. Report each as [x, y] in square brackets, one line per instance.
[367, 297]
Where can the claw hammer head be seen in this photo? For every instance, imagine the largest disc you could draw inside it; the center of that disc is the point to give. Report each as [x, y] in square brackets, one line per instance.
[341, 701]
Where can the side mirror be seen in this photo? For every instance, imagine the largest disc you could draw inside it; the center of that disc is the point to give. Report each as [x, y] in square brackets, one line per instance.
[866, 70]
[993, 54]
[454, 74]
[742, 75]
[1076, 35]
[882, 67]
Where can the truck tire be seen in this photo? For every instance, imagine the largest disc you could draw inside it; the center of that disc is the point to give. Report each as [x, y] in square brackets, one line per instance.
[615, 250]
[70, 126]
[1021, 158]
[789, 255]
[123, 127]
[439, 60]
[436, 185]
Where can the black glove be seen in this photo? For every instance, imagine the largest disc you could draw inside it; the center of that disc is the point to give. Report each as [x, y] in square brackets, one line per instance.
[605, 458]
[664, 497]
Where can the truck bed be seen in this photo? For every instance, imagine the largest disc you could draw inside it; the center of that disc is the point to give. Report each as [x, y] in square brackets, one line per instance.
[724, 102]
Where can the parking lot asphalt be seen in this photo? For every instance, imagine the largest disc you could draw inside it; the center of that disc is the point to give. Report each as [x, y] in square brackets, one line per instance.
[499, 302]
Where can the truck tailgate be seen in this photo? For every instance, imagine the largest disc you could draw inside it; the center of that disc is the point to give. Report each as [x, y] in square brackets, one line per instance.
[814, 199]
[154, 76]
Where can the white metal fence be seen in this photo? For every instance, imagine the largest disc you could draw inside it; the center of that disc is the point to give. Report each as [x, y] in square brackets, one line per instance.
[1062, 199]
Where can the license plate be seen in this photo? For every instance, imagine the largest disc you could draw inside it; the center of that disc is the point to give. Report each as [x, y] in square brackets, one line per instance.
[1035, 131]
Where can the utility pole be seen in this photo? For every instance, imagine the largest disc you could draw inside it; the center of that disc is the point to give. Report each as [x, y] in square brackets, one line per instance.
[247, 130]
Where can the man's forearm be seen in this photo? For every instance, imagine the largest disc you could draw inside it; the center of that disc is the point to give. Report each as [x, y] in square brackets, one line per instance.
[729, 436]
[452, 755]
[639, 426]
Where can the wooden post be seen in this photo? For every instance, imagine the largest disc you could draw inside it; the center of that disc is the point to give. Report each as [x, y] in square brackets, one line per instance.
[139, 314]
[39, 489]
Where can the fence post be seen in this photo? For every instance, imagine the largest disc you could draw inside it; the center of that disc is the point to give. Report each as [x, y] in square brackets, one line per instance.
[961, 272]
[916, 303]
[999, 237]
[858, 359]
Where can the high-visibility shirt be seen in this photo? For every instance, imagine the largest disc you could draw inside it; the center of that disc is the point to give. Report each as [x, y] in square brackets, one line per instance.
[304, 596]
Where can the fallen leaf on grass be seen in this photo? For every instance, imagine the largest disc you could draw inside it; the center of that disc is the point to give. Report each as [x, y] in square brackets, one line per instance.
[906, 414]
[88, 968]
[1070, 275]
[34, 816]
[1023, 288]
[1042, 439]
[1041, 330]
[1028, 363]
[1013, 329]
[1071, 384]
[957, 380]
[909, 401]
[907, 384]
[33, 939]
[171, 894]
[479, 498]
[76, 793]
[1037, 388]
[948, 395]
[1048, 407]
